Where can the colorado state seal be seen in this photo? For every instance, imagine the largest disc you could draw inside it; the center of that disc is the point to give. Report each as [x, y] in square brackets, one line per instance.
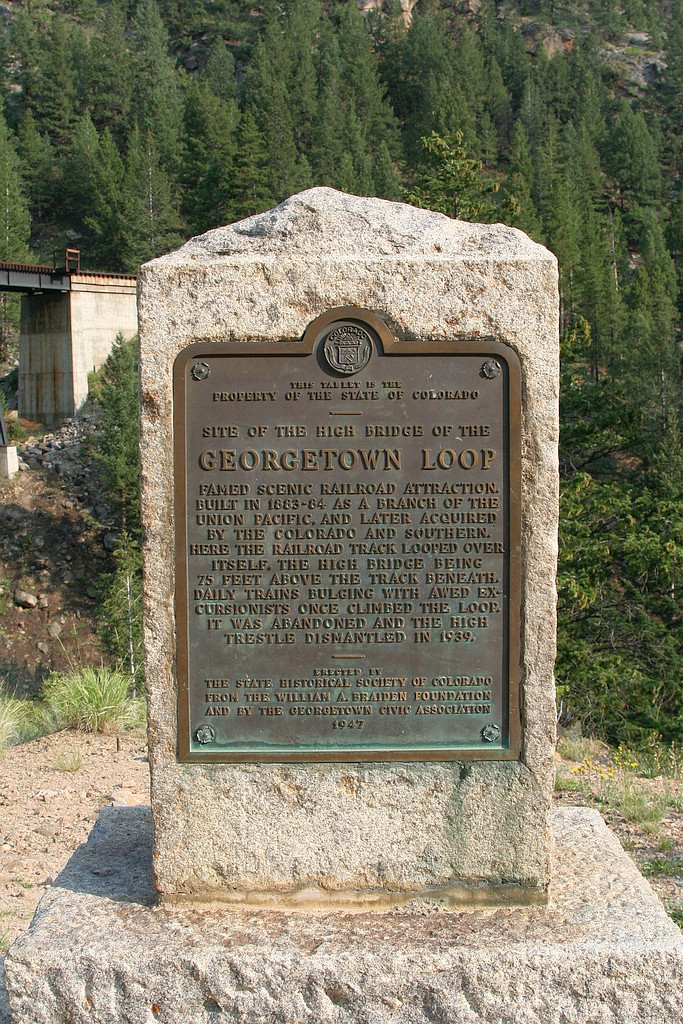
[347, 348]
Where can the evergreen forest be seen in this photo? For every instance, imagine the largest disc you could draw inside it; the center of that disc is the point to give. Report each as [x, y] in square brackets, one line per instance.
[130, 125]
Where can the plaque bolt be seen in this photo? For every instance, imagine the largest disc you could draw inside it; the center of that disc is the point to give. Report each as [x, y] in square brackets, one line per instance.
[491, 368]
[200, 371]
[205, 734]
[490, 733]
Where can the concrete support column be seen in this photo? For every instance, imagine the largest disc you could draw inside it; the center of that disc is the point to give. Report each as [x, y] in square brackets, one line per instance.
[46, 373]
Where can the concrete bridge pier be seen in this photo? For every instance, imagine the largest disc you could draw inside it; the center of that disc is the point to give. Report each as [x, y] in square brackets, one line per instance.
[67, 334]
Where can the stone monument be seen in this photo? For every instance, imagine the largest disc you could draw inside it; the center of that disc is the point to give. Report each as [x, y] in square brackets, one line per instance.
[350, 664]
[349, 460]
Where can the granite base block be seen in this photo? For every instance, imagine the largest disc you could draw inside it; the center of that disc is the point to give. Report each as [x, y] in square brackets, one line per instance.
[4, 1004]
[99, 950]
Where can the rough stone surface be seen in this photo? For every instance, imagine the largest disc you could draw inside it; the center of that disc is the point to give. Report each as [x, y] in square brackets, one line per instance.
[602, 951]
[4, 1004]
[235, 828]
[9, 461]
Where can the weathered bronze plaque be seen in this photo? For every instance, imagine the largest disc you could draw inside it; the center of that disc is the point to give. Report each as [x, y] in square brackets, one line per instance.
[347, 522]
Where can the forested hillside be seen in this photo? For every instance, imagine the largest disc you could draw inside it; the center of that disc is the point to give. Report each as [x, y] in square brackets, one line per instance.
[131, 125]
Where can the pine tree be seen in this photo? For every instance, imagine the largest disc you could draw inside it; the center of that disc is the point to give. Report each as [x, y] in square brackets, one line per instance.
[632, 158]
[427, 55]
[559, 88]
[38, 167]
[108, 81]
[303, 31]
[469, 72]
[183, 17]
[547, 172]
[355, 172]
[360, 74]
[620, 654]
[533, 112]
[210, 140]
[669, 88]
[675, 242]
[116, 452]
[652, 300]
[450, 181]
[487, 141]
[107, 217]
[219, 73]
[278, 136]
[251, 172]
[668, 461]
[156, 104]
[518, 207]
[79, 168]
[385, 176]
[328, 126]
[116, 456]
[120, 611]
[29, 27]
[57, 102]
[151, 221]
[499, 103]
[520, 153]
[15, 230]
[513, 60]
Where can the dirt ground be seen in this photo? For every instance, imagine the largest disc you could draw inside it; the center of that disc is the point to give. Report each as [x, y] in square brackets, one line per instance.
[52, 549]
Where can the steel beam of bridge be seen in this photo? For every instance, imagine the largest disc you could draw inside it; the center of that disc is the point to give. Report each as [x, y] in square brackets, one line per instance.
[29, 278]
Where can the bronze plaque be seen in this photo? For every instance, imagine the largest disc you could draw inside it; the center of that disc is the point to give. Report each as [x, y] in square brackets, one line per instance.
[347, 557]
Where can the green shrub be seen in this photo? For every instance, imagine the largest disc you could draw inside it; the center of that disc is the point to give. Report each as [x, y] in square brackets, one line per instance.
[91, 699]
[15, 718]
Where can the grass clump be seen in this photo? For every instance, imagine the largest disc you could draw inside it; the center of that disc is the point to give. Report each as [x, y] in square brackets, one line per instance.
[68, 761]
[92, 700]
[576, 749]
[617, 778]
[670, 866]
[637, 804]
[4, 934]
[656, 759]
[675, 911]
[15, 721]
[566, 782]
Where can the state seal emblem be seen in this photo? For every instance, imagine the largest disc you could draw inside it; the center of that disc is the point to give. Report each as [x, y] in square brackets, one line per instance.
[347, 348]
